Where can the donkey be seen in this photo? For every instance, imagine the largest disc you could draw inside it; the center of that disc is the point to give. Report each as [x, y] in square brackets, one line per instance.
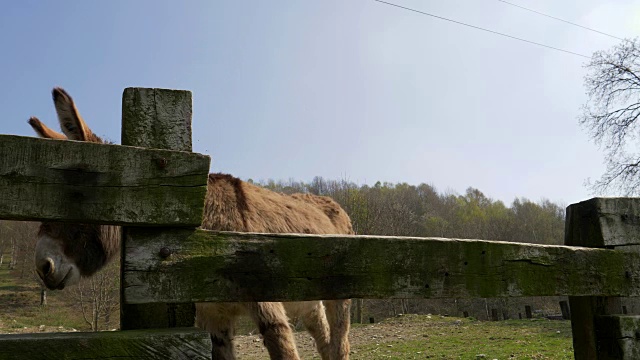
[66, 252]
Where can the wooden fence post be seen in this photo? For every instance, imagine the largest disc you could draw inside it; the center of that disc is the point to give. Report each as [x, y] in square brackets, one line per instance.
[160, 119]
[564, 308]
[610, 223]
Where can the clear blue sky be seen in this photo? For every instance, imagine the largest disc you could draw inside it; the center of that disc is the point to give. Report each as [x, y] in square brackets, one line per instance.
[342, 89]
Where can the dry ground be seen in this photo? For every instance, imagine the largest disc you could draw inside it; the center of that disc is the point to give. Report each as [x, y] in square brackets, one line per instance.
[431, 337]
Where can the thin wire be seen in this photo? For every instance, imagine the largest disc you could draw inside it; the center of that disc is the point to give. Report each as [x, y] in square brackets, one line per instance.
[564, 21]
[483, 29]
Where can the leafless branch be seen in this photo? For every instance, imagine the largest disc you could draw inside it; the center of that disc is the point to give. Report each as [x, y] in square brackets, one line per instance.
[612, 111]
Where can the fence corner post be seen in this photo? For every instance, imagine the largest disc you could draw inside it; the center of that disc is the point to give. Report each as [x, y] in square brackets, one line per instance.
[159, 119]
[602, 223]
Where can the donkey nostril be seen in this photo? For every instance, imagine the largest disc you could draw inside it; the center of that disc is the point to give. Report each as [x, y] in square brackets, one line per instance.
[47, 268]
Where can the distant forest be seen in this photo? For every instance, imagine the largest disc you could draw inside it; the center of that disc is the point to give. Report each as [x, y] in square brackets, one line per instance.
[408, 210]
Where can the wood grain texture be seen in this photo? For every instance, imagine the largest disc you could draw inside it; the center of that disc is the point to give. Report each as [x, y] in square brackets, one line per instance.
[182, 343]
[618, 337]
[612, 223]
[160, 119]
[157, 118]
[604, 222]
[42, 179]
[222, 266]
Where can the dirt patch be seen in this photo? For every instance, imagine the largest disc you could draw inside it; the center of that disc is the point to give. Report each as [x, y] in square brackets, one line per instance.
[427, 336]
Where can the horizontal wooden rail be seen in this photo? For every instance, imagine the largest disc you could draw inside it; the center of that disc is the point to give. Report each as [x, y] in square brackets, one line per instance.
[177, 343]
[42, 179]
[174, 265]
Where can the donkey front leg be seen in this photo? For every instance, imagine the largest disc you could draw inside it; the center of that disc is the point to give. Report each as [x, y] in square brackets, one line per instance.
[313, 318]
[339, 317]
[273, 324]
[219, 320]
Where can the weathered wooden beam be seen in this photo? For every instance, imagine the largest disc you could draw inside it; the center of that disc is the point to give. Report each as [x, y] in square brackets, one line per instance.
[612, 223]
[159, 119]
[42, 179]
[618, 337]
[604, 222]
[221, 266]
[184, 343]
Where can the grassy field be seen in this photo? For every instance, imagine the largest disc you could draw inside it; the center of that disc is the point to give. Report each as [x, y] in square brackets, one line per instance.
[448, 338]
[404, 337]
[21, 310]
[436, 337]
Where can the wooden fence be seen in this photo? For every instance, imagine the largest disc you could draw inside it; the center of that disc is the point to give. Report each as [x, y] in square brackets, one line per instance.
[155, 188]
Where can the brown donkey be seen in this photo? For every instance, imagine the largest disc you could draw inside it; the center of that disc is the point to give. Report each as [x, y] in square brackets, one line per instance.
[67, 252]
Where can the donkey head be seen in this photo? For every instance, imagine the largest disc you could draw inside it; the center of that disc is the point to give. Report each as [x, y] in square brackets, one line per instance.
[65, 252]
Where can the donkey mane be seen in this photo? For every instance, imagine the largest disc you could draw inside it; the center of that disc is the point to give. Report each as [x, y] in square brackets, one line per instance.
[238, 189]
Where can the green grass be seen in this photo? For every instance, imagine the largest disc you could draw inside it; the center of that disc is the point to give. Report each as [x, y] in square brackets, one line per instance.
[420, 337]
[20, 304]
[6, 280]
[55, 316]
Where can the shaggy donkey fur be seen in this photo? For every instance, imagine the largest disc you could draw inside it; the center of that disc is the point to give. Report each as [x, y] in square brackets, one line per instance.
[66, 252]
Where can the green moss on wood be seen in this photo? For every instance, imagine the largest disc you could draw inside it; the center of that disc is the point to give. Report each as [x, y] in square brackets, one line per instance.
[185, 343]
[214, 266]
[604, 222]
[617, 337]
[157, 118]
[160, 119]
[43, 179]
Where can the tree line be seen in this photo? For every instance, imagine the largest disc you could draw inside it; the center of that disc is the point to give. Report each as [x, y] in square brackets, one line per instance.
[381, 209]
[420, 210]
[402, 209]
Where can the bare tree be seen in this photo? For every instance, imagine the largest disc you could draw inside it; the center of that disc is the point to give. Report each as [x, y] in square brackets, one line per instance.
[18, 240]
[14, 253]
[5, 240]
[24, 245]
[611, 114]
[98, 297]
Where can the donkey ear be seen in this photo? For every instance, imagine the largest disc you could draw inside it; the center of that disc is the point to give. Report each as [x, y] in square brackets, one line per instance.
[71, 122]
[43, 131]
